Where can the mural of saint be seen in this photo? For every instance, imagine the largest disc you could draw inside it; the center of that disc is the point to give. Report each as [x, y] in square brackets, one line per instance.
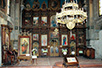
[24, 47]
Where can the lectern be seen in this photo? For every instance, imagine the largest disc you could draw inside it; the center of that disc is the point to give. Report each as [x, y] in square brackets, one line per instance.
[70, 61]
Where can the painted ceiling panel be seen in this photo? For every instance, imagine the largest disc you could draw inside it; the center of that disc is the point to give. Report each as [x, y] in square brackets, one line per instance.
[40, 1]
[46, 1]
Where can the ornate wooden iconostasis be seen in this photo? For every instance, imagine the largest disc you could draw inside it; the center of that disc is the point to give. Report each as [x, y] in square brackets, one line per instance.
[6, 46]
[49, 37]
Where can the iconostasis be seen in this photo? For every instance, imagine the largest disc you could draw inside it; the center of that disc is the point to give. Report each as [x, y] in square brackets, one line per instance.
[49, 37]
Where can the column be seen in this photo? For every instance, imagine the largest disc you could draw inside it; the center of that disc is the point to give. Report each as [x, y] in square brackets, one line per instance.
[0, 48]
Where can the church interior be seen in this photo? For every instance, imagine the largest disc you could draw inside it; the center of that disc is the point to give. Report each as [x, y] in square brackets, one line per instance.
[50, 33]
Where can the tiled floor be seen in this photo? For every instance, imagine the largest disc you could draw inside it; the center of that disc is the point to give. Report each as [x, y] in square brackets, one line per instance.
[49, 62]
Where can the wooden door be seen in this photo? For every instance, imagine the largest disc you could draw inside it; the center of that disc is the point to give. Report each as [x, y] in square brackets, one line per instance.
[54, 49]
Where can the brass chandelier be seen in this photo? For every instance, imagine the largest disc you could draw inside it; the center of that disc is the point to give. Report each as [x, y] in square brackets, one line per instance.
[70, 15]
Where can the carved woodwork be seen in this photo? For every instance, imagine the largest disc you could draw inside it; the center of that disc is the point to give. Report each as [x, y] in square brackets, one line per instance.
[54, 4]
[90, 53]
[6, 30]
[39, 29]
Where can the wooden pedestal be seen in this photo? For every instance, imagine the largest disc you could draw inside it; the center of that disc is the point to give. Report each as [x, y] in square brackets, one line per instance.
[90, 53]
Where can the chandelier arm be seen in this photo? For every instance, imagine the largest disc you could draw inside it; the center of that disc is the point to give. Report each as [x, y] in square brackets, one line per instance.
[76, 1]
[65, 1]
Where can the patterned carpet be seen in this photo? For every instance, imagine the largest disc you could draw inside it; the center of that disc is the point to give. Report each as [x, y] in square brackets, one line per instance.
[49, 62]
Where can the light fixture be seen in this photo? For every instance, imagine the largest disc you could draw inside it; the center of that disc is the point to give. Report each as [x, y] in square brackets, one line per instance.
[71, 14]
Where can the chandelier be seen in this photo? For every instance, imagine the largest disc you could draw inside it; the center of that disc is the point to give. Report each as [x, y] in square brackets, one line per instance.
[71, 14]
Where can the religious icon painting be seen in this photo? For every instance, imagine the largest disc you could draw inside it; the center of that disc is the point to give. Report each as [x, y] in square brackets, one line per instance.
[35, 47]
[24, 45]
[44, 21]
[64, 40]
[53, 21]
[44, 51]
[56, 50]
[73, 45]
[35, 20]
[35, 37]
[54, 34]
[44, 40]
[51, 49]
[27, 20]
[72, 37]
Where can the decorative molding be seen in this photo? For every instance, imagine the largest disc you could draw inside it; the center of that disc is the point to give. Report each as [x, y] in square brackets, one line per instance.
[54, 4]
[25, 33]
[28, 7]
[43, 6]
[36, 6]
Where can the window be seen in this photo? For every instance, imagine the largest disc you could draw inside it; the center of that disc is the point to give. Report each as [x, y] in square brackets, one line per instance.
[8, 6]
[100, 7]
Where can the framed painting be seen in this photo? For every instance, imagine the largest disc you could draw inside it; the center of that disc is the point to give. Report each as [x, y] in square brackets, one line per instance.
[44, 21]
[73, 42]
[53, 21]
[24, 45]
[64, 40]
[35, 21]
[43, 40]
[73, 37]
[27, 21]
[35, 37]
[35, 47]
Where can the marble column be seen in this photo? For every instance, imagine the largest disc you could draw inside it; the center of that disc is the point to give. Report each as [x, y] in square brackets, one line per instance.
[0, 48]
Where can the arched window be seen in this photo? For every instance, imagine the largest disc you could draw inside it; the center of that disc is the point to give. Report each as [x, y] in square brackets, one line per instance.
[100, 7]
[8, 6]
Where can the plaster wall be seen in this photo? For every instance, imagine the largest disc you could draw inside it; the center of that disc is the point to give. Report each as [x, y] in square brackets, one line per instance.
[95, 33]
[97, 45]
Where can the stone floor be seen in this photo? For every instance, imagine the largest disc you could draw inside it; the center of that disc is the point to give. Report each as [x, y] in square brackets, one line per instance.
[49, 62]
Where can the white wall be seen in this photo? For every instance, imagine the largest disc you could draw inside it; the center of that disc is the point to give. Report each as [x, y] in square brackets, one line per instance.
[97, 45]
